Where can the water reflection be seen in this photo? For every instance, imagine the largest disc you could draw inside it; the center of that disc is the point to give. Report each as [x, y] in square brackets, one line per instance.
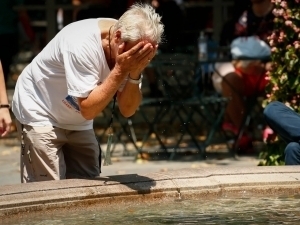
[281, 210]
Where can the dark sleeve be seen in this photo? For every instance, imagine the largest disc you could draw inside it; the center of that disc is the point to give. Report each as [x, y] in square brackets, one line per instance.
[260, 26]
[227, 33]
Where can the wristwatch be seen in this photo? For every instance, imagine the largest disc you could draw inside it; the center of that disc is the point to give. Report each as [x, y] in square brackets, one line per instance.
[135, 81]
[5, 106]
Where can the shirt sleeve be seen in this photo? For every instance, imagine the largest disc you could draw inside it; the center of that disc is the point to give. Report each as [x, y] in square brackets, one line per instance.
[82, 75]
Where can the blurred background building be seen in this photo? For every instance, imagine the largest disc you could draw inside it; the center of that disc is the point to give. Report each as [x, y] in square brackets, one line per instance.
[52, 15]
[184, 19]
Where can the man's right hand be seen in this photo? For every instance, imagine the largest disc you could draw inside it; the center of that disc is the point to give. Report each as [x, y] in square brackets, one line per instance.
[133, 60]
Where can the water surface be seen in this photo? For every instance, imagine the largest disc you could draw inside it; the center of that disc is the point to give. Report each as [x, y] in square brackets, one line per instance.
[256, 210]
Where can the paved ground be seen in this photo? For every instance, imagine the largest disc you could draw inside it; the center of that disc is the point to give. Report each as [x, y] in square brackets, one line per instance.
[10, 171]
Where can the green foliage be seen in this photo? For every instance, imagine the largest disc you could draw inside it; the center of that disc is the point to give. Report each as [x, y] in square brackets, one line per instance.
[285, 76]
[284, 83]
[273, 154]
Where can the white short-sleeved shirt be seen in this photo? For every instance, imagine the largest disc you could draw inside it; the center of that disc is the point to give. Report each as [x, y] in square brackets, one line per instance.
[70, 66]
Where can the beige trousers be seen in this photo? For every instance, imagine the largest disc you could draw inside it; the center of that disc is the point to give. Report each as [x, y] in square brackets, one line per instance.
[52, 153]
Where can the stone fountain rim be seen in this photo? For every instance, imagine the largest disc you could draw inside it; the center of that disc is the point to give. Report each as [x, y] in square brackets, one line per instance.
[185, 183]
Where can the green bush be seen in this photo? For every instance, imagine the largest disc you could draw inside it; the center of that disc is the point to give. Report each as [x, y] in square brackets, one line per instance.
[284, 76]
[273, 154]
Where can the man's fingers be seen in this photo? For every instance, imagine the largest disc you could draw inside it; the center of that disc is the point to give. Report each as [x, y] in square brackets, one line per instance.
[153, 53]
[136, 49]
[121, 48]
[147, 51]
[146, 54]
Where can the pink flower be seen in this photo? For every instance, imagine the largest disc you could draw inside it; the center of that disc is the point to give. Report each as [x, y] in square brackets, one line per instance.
[283, 4]
[296, 29]
[288, 23]
[282, 34]
[273, 35]
[278, 12]
[296, 44]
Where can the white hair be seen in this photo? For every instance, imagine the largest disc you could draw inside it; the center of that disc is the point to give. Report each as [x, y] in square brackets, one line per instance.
[140, 21]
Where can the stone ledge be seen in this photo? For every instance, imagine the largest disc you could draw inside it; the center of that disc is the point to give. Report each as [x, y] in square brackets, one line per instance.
[187, 183]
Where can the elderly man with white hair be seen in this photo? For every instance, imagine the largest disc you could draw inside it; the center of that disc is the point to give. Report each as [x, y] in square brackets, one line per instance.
[71, 81]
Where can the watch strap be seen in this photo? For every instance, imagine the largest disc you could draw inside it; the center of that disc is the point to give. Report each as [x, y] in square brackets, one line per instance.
[5, 106]
[135, 81]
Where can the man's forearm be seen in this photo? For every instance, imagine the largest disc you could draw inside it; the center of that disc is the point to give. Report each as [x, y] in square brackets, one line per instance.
[129, 99]
[101, 96]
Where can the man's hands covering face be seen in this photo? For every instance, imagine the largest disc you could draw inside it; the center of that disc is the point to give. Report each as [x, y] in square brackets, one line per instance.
[133, 60]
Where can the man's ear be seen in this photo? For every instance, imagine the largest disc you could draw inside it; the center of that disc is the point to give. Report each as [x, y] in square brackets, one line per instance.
[118, 36]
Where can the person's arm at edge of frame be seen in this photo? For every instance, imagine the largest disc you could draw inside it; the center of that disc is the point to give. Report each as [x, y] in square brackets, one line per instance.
[101, 96]
[5, 118]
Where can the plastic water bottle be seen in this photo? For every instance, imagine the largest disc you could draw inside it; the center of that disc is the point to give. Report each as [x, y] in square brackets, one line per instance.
[202, 47]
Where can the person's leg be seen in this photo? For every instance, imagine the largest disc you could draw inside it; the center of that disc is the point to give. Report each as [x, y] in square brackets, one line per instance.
[232, 88]
[41, 155]
[82, 154]
[292, 154]
[283, 120]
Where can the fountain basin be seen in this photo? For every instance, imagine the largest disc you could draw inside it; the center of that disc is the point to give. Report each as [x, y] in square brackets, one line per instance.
[200, 183]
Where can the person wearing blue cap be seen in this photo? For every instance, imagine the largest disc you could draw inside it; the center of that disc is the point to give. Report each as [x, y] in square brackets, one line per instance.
[242, 79]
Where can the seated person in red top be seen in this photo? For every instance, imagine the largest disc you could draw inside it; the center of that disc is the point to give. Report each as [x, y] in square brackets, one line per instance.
[241, 78]
[239, 82]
